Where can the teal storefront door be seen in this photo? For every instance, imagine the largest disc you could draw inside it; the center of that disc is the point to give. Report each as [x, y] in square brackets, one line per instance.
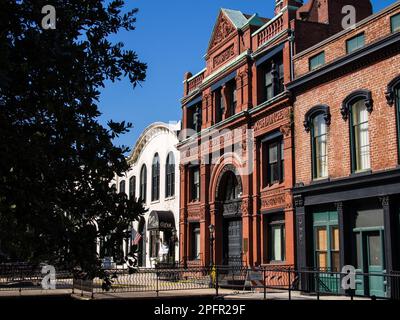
[371, 261]
[370, 252]
[326, 251]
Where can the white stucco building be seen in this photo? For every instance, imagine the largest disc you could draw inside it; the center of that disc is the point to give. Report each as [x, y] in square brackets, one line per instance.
[154, 178]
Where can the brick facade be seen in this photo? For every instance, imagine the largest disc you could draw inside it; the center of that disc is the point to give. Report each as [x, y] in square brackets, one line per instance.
[346, 196]
[253, 56]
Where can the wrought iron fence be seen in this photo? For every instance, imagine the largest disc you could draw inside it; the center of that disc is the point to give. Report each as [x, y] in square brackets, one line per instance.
[284, 279]
[23, 276]
[144, 280]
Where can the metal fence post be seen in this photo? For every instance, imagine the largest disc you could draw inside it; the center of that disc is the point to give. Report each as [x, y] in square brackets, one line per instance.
[290, 287]
[157, 282]
[317, 286]
[216, 280]
[265, 285]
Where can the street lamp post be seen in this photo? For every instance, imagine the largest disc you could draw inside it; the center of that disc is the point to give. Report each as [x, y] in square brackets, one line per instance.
[212, 239]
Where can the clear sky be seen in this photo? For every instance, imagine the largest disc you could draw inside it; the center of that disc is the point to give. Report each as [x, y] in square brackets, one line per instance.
[171, 37]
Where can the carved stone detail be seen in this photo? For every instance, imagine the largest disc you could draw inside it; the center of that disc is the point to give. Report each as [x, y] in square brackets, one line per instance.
[222, 30]
[298, 201]
[271, 119]
[223, 56]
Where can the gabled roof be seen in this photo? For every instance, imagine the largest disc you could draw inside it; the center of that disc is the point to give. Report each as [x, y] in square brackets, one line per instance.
[239, 19]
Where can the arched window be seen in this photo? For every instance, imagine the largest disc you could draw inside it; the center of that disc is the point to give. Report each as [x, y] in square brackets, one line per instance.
[170, 176]
[155, 178]
[132, 187]
[316, 122]
[357, 107]
[143, 183]
[319, 146]
[122, 187]
[393, 99]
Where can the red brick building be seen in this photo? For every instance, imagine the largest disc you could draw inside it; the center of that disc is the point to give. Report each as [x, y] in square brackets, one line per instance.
[237, 165]
[346, 122]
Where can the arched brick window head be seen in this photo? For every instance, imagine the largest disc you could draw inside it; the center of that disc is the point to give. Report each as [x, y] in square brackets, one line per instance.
[391, 91]
[313, 112]
[365, 95]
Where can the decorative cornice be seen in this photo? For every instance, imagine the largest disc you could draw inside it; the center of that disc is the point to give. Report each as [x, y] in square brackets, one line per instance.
[319, 109]
[390, 91]
[366, 95]
[339, 64]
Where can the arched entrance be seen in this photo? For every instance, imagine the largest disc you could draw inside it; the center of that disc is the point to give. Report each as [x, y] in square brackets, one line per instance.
[229, 217]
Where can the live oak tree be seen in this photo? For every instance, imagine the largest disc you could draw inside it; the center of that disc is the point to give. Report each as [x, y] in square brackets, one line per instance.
[56, 159]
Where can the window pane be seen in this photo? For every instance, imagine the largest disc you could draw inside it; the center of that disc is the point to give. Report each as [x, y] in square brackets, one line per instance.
[276, 247]
[395, 22]
[374, 249]
[319, 125]
[197, 245]
[361, 135]
[322, 240]
[335, 261]
[268, 78]
[355, 43]
[273, 154]
[322, 261]
[317, 61]
[335, 239]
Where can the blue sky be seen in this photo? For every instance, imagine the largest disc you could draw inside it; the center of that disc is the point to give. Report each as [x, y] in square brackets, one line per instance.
[171, 37]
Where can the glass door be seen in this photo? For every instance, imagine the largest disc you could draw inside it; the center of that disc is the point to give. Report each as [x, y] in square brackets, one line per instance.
[370, 260]
[327, 257]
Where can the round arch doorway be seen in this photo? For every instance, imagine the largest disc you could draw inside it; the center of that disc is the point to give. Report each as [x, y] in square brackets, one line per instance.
[229, 192]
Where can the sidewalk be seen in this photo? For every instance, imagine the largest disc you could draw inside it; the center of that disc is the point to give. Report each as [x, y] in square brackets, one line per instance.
[223, 294]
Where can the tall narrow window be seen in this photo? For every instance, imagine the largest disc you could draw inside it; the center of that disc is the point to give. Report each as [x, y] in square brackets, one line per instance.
[274, 160]
[170, 176]
[197, 118]
[195, 245]
[219, 105]
[143, 183]
[195, 184]
[132, 187]
[360, 136]
[395, 23]
[277, 239]
[232, 97]
[268, 85]
[155, 178]
[319, 141]
[154, 243]
[122, 187]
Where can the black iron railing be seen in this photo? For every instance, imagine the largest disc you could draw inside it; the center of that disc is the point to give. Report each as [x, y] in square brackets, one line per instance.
[283, 279]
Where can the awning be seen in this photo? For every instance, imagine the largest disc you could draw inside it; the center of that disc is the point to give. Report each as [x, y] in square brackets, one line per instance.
[221, 82]
[272, 52]
[195, 101]
[161, 221]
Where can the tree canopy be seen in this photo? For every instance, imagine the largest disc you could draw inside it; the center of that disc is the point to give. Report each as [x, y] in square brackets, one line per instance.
[56, 159]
